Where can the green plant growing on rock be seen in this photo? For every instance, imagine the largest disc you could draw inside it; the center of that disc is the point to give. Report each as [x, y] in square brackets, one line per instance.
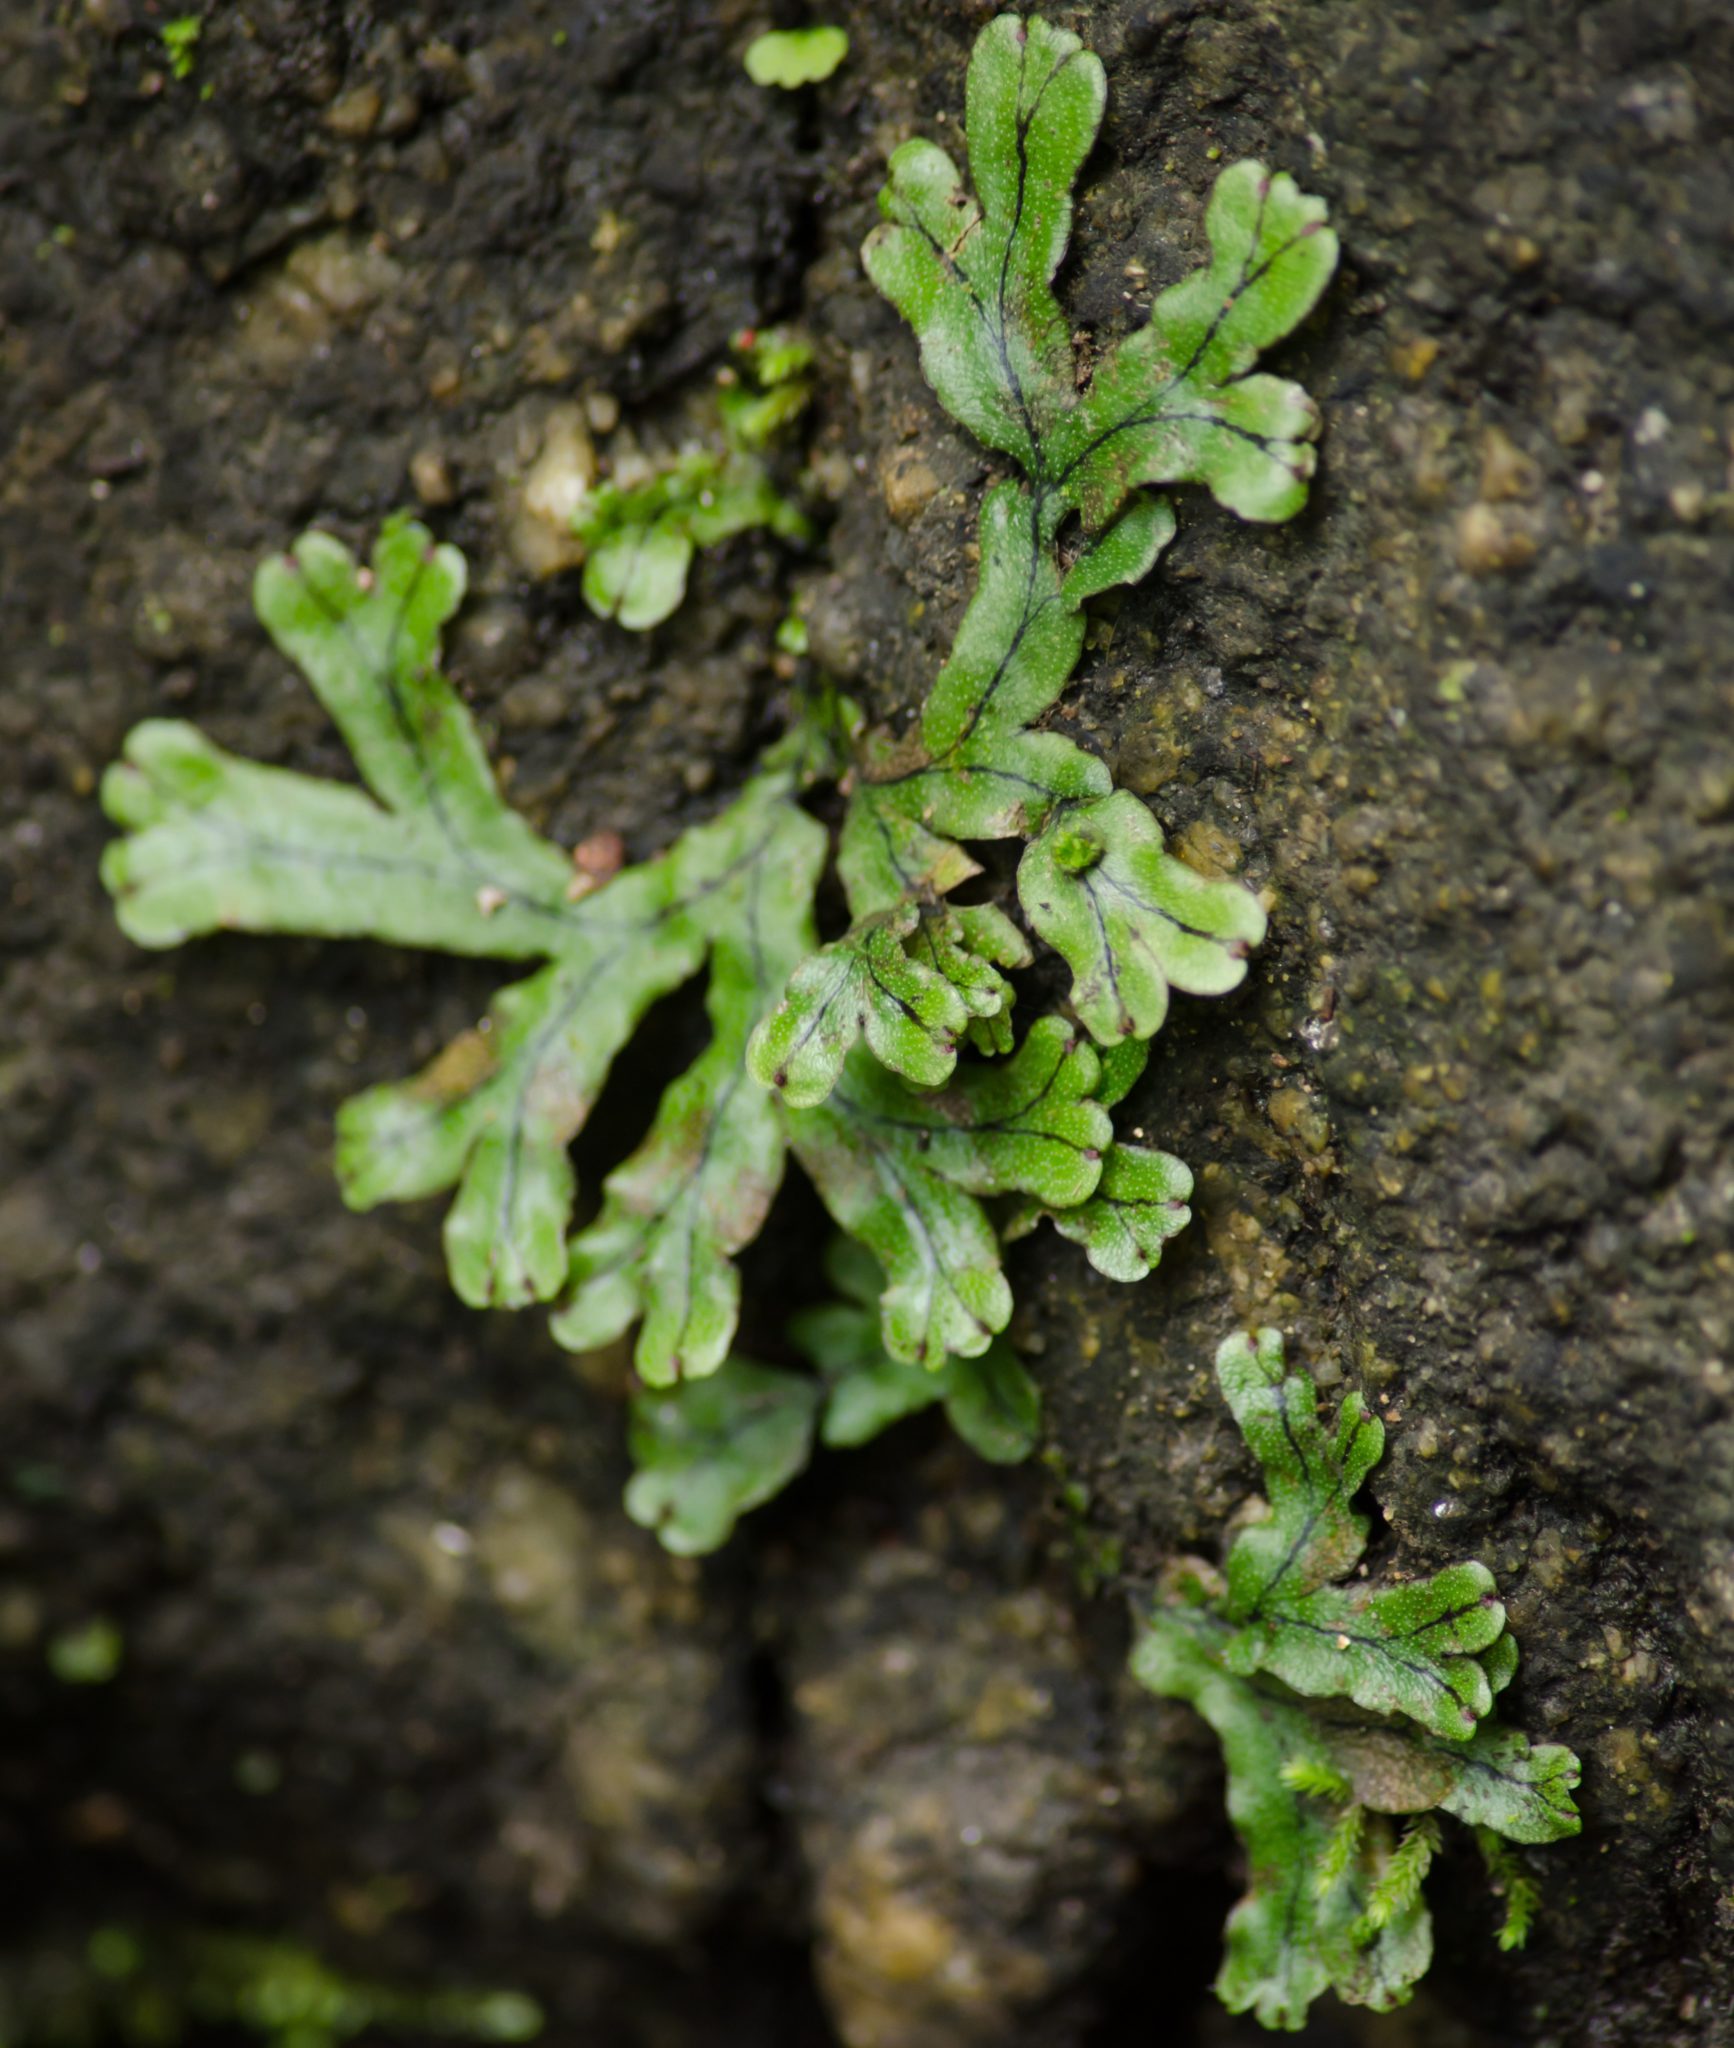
[1349, 1715]
[155, 1986]
[886, 1061]
[990, 1400]
[180, 39]
[793, 57]
[641, 537]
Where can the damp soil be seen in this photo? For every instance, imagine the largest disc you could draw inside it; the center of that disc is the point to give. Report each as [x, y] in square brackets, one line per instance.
[397, 1679]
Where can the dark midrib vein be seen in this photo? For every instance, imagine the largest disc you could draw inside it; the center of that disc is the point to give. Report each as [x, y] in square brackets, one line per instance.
[1303, 1535]
[976, 769]
[1095, 879]
[1029, 611]
[1001, 344]
[1003, 1125]
[1384, 1646]
[1110, 964]
[899, 1002]
[231, 833]
[384, 679]
[716, 1117]
[562, 1016]
[719, 1110]
[938, 1272]
[1249, 277]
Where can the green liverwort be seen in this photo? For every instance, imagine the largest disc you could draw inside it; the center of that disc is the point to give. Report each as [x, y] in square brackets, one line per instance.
[1346, 1714]
[180, 36]
[792, 57]
[885, 1062]
[1171, 403]
[641, 538]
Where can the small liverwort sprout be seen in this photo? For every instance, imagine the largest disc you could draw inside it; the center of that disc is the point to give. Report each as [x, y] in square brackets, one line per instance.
[89, 1654]
[792, 57]
[180, 39]
[640, 539]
